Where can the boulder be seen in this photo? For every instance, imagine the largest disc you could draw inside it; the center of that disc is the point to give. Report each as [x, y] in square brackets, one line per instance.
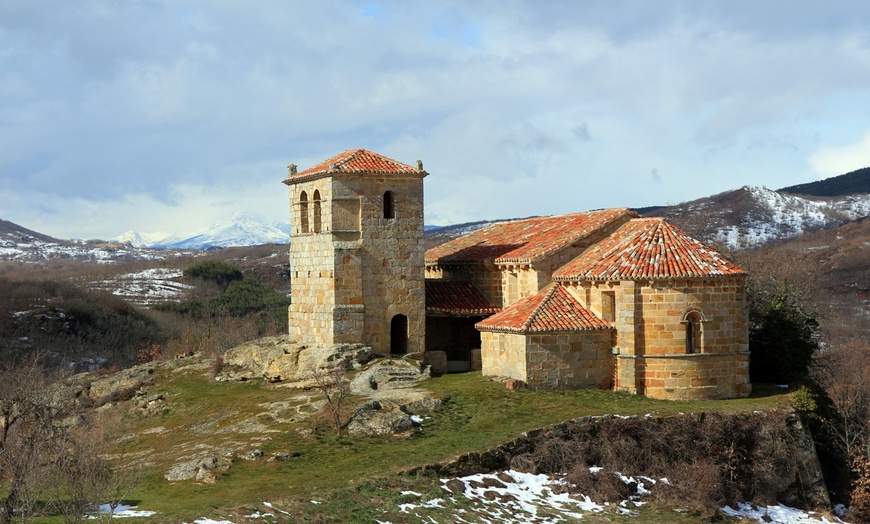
[437, 361]
[203, 469]
[476, 361]
[280, 359]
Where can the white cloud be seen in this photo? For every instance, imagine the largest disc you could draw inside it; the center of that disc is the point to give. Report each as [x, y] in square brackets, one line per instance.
[833, 160]
[138, 111]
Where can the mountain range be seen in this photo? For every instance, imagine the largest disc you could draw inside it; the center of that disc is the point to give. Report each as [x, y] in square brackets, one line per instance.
[740, 218]
[237, 230]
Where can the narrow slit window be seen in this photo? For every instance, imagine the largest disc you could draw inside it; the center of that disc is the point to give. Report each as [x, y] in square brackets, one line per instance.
[693, 333]
[389, 205]
[316, 204]
[303, 212]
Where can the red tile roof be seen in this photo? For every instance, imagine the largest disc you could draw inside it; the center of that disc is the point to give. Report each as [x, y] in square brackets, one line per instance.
[457, 297]
[524, 241]
[647, 249]
[354, 161]
[553, 309]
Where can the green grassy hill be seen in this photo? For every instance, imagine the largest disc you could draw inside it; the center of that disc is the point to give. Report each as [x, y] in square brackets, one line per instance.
[296, 457]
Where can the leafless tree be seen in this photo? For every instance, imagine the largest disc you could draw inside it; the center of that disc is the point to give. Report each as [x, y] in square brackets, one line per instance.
[335, 386]
[28, 416]
[50, 455]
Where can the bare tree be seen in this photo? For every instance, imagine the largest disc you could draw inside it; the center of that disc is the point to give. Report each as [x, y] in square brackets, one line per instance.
[50, 454]
[28, 416]
[335, 386]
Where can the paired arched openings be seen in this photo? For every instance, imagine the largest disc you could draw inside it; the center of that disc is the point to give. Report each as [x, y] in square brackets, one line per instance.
[307, 208]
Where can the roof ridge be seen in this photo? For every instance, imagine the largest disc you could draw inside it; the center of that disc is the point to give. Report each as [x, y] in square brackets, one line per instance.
[356, 152]
[535, 312]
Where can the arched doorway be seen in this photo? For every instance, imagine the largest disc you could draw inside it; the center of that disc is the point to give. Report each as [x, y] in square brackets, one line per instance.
[399, 335]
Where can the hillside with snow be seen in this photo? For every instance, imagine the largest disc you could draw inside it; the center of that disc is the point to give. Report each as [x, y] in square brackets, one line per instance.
[752, 216]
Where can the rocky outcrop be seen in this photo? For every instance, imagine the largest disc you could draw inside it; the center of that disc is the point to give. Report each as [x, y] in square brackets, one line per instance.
[280, 359]
[396, 405]
[203, 469]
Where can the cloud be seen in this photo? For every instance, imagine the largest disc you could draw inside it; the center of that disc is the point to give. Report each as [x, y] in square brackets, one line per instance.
[515, 107]
[833, 160]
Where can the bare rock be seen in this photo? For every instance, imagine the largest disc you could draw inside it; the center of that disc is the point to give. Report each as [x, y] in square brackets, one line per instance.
[387, 375]
[280, 359]
[203, 469]
[455, 486]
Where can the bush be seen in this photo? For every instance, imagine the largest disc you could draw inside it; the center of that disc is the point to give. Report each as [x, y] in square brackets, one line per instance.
[709, 460]
[782, 338]
[221, 273]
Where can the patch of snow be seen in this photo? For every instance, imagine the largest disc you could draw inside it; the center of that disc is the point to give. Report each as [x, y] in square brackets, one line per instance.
[778, 514]
[123, 511]
[146, 287]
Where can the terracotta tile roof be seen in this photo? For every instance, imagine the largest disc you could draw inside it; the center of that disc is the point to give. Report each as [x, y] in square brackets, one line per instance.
[647, 249]
[553, 309]
[524, 241]
[457, 297]
[354, 161]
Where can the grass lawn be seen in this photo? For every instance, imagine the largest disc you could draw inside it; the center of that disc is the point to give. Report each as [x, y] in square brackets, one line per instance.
[353, 478]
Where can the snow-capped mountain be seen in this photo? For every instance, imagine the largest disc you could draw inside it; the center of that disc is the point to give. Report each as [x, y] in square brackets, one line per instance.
[237, 230]
[137, 239]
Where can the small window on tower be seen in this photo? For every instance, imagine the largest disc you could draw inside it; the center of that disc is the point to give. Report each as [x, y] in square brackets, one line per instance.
[303, 212]
[316, 202]
[389, 205]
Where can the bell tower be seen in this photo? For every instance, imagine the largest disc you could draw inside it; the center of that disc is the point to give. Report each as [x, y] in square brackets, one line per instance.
[357, 254]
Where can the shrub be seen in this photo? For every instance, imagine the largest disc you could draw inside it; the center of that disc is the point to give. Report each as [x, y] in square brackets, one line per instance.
[782, 338]
[221, 273]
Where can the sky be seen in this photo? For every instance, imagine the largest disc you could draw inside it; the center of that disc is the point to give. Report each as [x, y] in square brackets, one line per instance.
[168, 116]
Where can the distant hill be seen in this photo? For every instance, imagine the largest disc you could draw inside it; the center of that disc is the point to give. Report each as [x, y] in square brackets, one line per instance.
[856, 182]
[12, 232]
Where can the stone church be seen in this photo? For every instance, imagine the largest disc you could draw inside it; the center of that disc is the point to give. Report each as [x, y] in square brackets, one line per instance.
[603, 298]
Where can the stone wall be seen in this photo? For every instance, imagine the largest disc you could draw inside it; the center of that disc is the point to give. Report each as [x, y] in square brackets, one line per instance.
[705, 376]
[358, 270]
[650, 319]
[550, 360]
[503, 355]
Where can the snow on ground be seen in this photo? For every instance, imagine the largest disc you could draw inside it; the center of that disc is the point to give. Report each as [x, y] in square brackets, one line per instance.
[778, 514]
[146, 287]
[32, 250]
[514, 497]
[787, 216]
[123, 511]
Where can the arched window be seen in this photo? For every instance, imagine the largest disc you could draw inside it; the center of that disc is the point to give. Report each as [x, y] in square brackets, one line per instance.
[303, 212]
[399, 335]
[693, 332]
[316, 202]
[389, 205]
